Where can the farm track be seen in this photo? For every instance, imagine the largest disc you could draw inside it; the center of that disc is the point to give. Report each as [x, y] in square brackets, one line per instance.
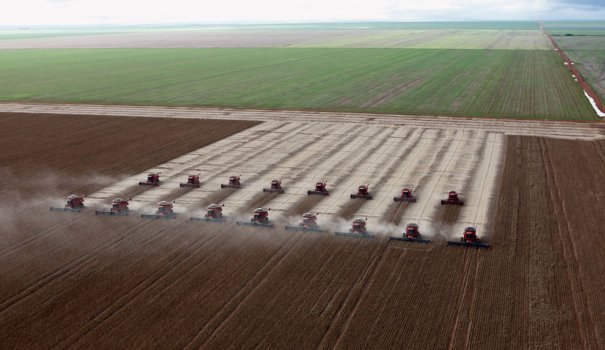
[86, 281]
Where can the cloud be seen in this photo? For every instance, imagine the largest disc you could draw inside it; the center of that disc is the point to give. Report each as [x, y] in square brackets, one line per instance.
[205, 11]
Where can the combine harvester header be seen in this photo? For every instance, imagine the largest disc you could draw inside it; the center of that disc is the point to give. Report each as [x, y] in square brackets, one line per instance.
[164, 212]
[307, 224]
[73, 204]
[214, 213]
[469, 239]
[357, 230]
[119, 207]
[260, 217]
[411, 234]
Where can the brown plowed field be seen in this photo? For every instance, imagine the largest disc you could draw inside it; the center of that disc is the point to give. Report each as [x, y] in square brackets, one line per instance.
[85, 281]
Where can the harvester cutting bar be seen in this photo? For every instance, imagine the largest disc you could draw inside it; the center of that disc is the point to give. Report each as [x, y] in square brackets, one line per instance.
[206, 219]
[364, 196]
[404, 199]
[111, 213]
[248, 223]
[323, 193]
[469, 244]
[304, 229]
[451, 202]
[156, 216]
[407, 239]
[71, 210]
[187, 184]
[354, 235]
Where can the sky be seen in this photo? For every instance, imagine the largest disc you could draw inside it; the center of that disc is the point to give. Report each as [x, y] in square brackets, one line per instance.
[85, 12]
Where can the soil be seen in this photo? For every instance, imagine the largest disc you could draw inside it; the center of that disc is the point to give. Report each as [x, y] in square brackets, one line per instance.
[76, 280]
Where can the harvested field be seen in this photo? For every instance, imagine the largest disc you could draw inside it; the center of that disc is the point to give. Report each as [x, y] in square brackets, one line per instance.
[288, 37]
[85, 281]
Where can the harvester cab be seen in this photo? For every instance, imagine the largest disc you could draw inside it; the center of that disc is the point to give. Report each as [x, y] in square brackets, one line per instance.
[411, 234]
[320, 188]
[362, 192]
[275, 187]
[164, 211]
[308, 223]
[469, 239]
[73, 203]
[119, 207]
[407, 195]
[260, 217]
[153, 179]
[192, 181]
[214, 211]
[357, 230]
[233, 182]
[452, 199]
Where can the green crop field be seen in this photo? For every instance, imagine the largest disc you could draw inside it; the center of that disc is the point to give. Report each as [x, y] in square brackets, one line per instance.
[497, 83]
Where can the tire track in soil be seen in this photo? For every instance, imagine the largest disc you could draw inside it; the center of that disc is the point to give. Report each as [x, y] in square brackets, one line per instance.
[162, 167]
[66, 270]
[310, 202]
[348, 307]
[173, 262]
[348, 210]
[435, 165]
[395, 162]
[261, 199]
[173, 278]
[581, 305]
[462, 288]
[397, 210]
[136, 190]
[234, 303]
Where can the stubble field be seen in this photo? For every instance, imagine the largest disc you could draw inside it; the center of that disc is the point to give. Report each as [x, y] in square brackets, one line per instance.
[79, 280]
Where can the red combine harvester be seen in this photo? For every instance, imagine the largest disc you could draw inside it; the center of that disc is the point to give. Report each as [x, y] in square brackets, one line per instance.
[73, 204]
[119, 207]
[357, 230]
[411, 234]
[469, 239]
[192, 181]
[320, 188]
[452, 199]
[164, 211]
[362, 192]
[153, 179]
[407, 195]
[233, 182]
[275, 187]
[214, 213]
[307, 224]
[260, 217]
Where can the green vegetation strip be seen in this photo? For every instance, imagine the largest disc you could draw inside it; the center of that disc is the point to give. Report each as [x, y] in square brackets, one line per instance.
[495, 83]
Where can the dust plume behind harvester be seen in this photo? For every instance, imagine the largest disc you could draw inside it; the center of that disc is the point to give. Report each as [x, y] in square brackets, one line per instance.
[363, 191]
[453, 198]
[73, 204]
[357, 230]
[275, 187]
[407, 195]
[411, 234]
[308, 223]
[469, 239]
[260, 217]
[119, 207]
[234, 182]
[164, 211]
[192, 181]
[320, 189]
[153, 179]
[214, 213]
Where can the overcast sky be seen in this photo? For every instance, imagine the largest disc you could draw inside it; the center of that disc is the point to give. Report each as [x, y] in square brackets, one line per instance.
[43, 12]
